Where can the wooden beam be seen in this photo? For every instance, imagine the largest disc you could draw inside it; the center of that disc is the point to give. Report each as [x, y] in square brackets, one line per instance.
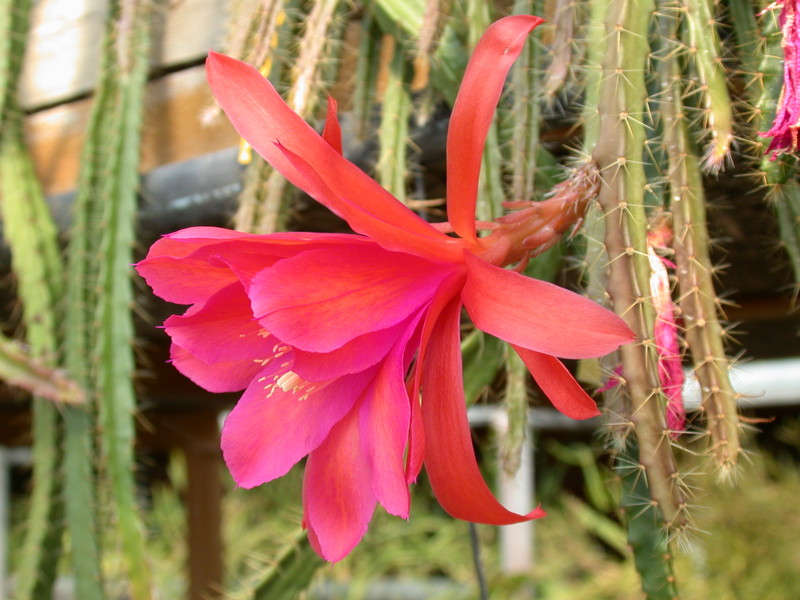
[174, 129]
[196, 433]
[63, 51]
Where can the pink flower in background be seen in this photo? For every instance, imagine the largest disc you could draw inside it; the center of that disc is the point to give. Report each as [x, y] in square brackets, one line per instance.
[665, 331]
[787, 116]
[334, 337]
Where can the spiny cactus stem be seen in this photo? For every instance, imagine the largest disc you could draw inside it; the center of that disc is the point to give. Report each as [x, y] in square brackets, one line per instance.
[704, 42]
[618, 153]
[704, 333]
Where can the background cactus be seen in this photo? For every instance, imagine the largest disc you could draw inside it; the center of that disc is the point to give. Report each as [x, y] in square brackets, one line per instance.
[649, 100]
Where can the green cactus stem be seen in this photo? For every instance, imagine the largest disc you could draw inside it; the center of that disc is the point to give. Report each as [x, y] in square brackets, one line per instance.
[393, 129]
[618, 154]
[702, 39]
[33, 240]
[704, 333]
[618, 151]
[262, 205]
[646, 536]
[100, 295]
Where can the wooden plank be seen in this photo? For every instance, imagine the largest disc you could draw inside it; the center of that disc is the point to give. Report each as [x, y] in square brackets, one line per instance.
[63, 49]
[174, 130]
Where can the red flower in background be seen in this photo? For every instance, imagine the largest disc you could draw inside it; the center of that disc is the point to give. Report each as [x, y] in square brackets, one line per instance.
[321, 330]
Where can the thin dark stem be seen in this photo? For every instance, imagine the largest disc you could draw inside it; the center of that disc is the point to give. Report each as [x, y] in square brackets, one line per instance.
[476, 558]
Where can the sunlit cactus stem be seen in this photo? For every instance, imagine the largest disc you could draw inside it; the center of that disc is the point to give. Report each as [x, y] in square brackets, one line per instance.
[703, 41]
[263, 205]
[31, 235]
[618, 151]
[698, 301]
[396, 108]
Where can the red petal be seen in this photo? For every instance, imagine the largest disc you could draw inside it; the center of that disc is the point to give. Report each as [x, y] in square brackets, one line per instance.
[384, 421]
[416, 434]
[190, 265]
[225, 376]
[356, 355]
[337, 492]
[538, 315]
[223, 329]
[321, 299]
[389, 234]
[184, 282]
[332, 132]
[558, 384]
[472, 115]
[261, 117]
[449, 457]
[270, 429]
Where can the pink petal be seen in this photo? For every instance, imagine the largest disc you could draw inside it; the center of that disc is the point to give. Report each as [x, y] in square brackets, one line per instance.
[356, 355]
[332, 132]
[449, 457]
[186, 269]
[223, 329]
[472, 115]
[225, 376]
[416, 435]
[184, 282]
[320, 300]
[558, 384]
[384, 421]
[337, 491]
[261, 117]
[389, 234]
[270, 428]
[538, 315]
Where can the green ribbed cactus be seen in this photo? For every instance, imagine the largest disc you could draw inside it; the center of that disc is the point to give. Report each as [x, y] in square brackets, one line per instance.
[645, 452]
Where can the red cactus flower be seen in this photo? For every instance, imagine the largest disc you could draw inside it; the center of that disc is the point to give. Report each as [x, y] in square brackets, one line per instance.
[322, 330]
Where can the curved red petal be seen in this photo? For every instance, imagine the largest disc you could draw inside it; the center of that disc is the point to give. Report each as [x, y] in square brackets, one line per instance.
[332, 132]
[449, 289]
[261, 117]
[223, 329]
[337, 491]
[472, 115]
[416, 433]
[389, 234]
[356, 355]
[384, 421]
[322, 299]
[190, 265]
[449, 457]
[558, 384]
[224, 376]
[538, 315]
[271, 428]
